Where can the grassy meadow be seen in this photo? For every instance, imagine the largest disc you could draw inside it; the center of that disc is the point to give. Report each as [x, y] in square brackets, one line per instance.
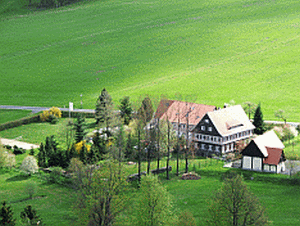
[54, 202]
[210, 52]
[11, 115]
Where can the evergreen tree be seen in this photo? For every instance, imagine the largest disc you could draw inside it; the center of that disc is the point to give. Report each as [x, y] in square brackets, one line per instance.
[79, 128]
[83, 154]
[125, 110]
[29, 216]
[99, 146]
[104, 110]
[6, 215]
[41, 156]
[258, 121]
[129, 148]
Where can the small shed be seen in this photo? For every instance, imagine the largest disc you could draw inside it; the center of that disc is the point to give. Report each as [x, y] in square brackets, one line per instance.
[264, 153]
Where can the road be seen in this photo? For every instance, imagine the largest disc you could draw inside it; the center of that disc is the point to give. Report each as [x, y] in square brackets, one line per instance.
[39, 109]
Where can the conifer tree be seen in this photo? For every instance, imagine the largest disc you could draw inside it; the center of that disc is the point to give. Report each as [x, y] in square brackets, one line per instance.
[79, 128]
[42, 156]
[258, 121]
[125, 110]
[146, 110]
[6, 215]
[104, 110]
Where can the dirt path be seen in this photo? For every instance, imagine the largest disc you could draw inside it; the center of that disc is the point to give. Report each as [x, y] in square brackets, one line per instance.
[20, 144]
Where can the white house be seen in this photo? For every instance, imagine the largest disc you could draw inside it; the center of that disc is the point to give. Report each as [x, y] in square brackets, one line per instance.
[264, 153]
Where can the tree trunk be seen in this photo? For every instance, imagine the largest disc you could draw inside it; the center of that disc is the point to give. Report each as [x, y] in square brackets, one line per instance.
[158, 148]
[168, 155]
[139, 158]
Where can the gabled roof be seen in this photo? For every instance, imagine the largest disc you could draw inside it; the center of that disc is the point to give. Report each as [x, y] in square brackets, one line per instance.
[274, 156]
[230, 120]
[268, 140]
[174, 109]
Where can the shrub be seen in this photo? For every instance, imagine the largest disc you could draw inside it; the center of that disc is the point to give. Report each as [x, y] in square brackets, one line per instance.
[52, 115]
[3, 157]
[11, 160]
[29, 165]
[18, 151]
[55, 175]
[6, 215]
[29, 216]
[75, 165]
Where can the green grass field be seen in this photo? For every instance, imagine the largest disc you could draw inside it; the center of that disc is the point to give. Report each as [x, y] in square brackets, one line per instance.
[55, 204]
[210, 52]
[11, 115]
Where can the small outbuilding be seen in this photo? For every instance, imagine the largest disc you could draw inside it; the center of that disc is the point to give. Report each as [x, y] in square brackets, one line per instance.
[264, 153]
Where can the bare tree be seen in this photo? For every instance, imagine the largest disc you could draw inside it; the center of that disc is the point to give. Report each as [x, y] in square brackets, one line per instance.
[282, 115]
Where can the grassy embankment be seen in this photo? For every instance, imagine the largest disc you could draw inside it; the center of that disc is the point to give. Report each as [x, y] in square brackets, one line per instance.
[212, 51]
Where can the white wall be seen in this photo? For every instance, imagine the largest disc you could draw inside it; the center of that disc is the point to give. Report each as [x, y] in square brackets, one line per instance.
[247, 162]
[257, 163]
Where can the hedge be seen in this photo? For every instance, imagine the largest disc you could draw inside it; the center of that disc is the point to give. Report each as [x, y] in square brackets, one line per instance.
[20, 122]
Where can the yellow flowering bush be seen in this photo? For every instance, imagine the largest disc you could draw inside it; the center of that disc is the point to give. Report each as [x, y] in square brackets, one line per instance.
[51, 115]
[78, 146]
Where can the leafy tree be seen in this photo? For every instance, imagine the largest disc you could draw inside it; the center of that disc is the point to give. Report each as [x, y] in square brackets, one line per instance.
[233, 204]
[101, 196]
[104, 110]
[29, 165]
[249, 108]
[3, 156]
[154, 204]
[281, 115]
[30, 217]
[79, 128]
[129, 148]
[259, 121]
[6, 215]
[125, 110]
[146, 111]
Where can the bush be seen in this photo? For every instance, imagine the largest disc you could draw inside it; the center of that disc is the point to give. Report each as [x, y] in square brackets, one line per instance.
[52, 115]
[55, 175]
[18, 151]
[29, 165]
[11, 160]
[29, 216]
[19, 122]
[3, 157]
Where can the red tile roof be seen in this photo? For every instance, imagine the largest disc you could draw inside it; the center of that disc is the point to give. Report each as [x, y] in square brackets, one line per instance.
[174, 109]
[274, 155]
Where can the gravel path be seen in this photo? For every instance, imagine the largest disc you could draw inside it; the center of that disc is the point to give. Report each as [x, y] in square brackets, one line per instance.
[20, 144]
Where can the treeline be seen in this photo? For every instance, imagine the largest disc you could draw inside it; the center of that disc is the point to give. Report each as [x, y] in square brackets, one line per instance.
[50, 3]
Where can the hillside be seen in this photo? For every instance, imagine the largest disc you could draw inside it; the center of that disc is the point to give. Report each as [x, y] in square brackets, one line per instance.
[210, 52]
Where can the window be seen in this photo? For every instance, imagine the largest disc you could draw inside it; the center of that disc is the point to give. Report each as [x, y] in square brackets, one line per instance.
[210, 129]
[202, 128]
[206, 121]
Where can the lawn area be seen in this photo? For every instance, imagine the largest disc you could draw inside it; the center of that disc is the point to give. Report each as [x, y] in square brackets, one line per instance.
[292, 148]
[275, 192]
[210, 52]
[36, 133]
[11, 115]
[52, 202]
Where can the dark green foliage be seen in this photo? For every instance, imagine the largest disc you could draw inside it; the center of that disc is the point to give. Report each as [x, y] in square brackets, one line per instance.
[31, 152]
[104, 109]
[18, 151]
[50, 155]
[125, 110]
[41, 157]
[79, 128]
[146, 111]
[259, 121]
[30, 217]
[83, 154]
[99, 146]
[130, 152]
[6, 215]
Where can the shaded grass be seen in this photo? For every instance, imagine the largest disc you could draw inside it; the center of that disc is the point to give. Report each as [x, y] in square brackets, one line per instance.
[210, 52]
[11, 115]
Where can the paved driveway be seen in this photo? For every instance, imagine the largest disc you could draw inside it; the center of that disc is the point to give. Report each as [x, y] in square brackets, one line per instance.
[20, 144]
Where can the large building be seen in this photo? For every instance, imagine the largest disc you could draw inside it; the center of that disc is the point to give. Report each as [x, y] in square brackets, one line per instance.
[218, 131]
[184, 116]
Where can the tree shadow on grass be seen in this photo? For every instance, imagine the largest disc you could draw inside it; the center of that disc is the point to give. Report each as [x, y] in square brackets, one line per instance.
[18, 178]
